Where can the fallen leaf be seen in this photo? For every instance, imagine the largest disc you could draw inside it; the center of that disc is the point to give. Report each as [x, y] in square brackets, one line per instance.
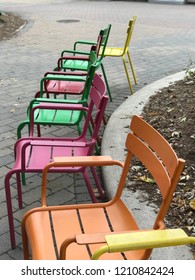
[153, 113]
[170, 110]
[183, 119]
[192, 204]
[146, 179]
[176, 134]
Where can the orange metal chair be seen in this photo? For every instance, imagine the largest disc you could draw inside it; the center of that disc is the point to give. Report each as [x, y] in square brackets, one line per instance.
[123, 51]
[107, 230]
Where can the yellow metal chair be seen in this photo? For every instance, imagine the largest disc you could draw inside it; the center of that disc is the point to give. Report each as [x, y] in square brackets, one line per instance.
[122, 52]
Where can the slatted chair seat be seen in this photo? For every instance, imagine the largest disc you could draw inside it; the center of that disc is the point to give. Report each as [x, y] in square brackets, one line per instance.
[40, 151]
[113, 51]
[63, 87]
[78, 221]
[70, 64]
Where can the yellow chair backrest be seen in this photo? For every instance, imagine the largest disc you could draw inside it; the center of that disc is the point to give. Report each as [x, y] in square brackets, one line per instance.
[129, 34]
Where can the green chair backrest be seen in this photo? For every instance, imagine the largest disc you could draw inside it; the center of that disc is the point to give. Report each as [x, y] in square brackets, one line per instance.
[104, 39]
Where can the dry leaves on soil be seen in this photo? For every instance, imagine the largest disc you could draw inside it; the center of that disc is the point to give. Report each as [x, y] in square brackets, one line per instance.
[171, 111]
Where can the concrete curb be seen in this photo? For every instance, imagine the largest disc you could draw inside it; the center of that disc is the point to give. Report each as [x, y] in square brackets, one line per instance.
[113, 144]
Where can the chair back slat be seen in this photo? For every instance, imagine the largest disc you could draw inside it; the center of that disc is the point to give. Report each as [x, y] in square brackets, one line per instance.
[129, 33]
[150, 160]
[156, 154]
[97, 106]
[105, 35]
[156, 141]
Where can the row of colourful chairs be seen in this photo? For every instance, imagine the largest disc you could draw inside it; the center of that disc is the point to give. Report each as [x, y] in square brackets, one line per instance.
[69, 86]
[73, 76]
[58, 82]
[108, 230]
[66, 97]
[108, 51]
[103, 230]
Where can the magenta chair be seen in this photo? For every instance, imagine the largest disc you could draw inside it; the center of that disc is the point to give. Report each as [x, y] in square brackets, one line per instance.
[33, 153]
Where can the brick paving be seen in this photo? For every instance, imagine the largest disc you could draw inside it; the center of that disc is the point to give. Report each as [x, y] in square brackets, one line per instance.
[163, 43]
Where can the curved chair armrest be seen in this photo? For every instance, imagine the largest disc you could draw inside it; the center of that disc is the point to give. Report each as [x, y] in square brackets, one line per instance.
[85, 42]
[59, 106]
[84, 161]
[75, 73]
[64, 77]
[59, 143]
[148, 239]
[144, 240]
[82, 42]
[86, 58]
[36, 101]
[75, 52]
[128, 241]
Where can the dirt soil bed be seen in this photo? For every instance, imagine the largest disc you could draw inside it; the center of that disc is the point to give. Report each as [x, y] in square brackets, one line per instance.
[9, 25]
[171, 111]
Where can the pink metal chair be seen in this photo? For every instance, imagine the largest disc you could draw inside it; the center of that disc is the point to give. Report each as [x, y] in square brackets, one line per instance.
[58, 82]
[33, 153]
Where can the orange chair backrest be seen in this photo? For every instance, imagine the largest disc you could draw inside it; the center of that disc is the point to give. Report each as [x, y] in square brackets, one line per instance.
[156, 154]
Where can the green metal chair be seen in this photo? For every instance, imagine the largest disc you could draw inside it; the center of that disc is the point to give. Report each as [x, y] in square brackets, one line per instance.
[70, 64]
[63, 82]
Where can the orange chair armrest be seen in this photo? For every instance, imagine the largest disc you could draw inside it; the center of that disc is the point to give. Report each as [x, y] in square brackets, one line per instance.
[85, 161]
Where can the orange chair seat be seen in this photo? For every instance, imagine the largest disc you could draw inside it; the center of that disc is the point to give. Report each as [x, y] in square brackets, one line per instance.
[45, 230]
